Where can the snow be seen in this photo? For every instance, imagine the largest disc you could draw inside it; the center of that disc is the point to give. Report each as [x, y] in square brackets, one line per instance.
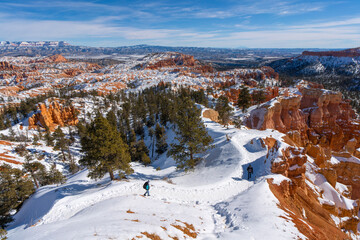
[278, 179]
[329, 195]
[250, 215]
[216, 198]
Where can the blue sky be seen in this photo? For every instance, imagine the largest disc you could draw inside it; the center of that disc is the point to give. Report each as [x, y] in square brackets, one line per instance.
[211, 23]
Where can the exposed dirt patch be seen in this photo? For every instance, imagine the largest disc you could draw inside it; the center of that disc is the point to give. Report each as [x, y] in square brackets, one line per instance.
[5, 143]
[189, 229]
[152, 236]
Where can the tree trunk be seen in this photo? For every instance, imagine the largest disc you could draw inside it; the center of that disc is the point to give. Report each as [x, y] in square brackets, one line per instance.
[69, 153]
[63, 154]
[35, 181]
[111, 175]
[153, 146]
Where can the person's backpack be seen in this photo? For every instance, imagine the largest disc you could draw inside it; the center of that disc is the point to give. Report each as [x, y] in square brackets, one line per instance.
[146, 185]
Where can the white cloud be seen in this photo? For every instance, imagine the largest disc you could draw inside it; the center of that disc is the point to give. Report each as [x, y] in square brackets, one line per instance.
[350, 21]
[40, 30]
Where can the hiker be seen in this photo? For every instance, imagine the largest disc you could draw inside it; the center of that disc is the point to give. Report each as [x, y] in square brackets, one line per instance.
[146, 187]
[250, 171]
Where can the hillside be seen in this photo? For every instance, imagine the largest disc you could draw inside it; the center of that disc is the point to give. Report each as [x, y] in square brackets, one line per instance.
[326, 63]
[336, 70]
[303, 142]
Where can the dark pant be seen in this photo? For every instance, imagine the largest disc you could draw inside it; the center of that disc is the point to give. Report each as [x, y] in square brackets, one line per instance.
[249, 175]
[147, 192]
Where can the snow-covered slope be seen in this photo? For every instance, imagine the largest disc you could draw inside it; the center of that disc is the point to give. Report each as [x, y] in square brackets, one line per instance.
[318, 65]
[214, 201]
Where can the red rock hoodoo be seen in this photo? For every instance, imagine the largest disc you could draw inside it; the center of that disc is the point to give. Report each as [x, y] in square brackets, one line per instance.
[317, 117]
[54, 115]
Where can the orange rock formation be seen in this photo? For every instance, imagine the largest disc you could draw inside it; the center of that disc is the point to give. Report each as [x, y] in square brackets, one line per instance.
[299, 200]
[318, 117]
[318, 124]
[211, 114]
[54, 115]
[181, 60]
[5, 66]
[57, 58]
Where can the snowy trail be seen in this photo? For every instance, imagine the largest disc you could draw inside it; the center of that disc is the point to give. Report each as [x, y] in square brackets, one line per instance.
[208, 194]
[220, 178]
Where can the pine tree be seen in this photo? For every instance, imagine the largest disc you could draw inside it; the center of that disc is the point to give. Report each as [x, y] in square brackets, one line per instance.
[54, 176]
[61, 143]
[81, 129]
[244, 99]
[151, 134]
[111, 117]
[137, 151]
[165, 108]
[259, 97]
[224, 110]
[36, 170]
[48, 138]
[151, 121]
[104, 150]
[192, 136]
[161, 145]
[15, 188]
[35, 140]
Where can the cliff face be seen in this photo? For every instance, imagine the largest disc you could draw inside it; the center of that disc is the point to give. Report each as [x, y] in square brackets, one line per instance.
[312, 196]
[353, 52]
[54, 115]
[317, 117]
[318, 124]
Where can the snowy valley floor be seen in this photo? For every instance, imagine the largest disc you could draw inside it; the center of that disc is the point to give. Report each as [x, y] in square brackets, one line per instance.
[214, 201]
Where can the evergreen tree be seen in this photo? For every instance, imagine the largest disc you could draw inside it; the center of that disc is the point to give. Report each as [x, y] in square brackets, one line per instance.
[151, 134]
[105, 151]
[244, 99]
[61, 142]
[165, 107]
[36, 170]
[15, 188]
[54, 176]
[151, 121]
[35, 140]
[192, 136]
[161, 145]
[111, 117]
[48, 138]
[225, 111]
[200, 97]
[81, 129]
[138, 150]
[259, 97]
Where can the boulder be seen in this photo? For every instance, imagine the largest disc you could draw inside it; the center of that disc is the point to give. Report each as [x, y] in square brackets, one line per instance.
[211, 114]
